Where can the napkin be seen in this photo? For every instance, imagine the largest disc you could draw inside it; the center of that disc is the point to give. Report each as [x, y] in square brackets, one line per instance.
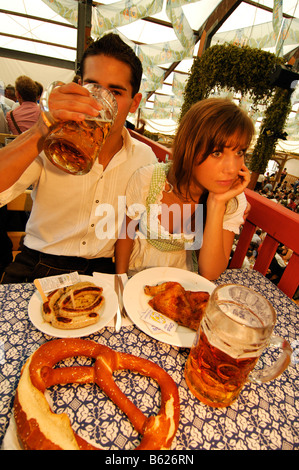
[10, 440]
[109, 278]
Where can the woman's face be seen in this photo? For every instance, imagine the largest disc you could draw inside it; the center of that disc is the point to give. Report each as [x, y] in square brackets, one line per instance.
[218, 171]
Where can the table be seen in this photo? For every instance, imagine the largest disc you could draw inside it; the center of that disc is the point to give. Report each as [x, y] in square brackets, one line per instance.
[264, 417]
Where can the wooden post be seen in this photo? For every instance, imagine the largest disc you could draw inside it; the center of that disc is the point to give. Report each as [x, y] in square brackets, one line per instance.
[83, 29]
[215, 21]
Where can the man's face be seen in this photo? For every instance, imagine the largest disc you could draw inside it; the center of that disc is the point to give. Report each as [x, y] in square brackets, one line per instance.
[115, 76]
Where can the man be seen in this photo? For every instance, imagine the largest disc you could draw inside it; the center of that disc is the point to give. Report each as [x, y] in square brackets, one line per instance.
[3, 124]
[283, 175]
[268, 186]
[71, 223]
[256, 238]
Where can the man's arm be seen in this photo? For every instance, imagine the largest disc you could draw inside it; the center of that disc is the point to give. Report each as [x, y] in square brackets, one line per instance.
[67, 102]
[20, 153]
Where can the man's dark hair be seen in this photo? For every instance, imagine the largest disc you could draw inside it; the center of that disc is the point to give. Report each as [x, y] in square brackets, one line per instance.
[112, 45]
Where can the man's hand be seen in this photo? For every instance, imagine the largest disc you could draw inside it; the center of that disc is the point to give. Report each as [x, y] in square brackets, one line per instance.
[71, 102]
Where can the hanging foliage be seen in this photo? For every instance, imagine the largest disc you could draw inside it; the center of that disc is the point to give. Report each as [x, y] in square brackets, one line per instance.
[271, 130]
[247, 71]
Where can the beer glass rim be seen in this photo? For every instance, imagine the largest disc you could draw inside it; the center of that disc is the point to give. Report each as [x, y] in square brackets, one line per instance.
[107, 97]
[236, 320]
[95, 84]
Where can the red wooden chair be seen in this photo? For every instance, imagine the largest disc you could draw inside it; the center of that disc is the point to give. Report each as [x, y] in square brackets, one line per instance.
[282, 226]
[163, 154]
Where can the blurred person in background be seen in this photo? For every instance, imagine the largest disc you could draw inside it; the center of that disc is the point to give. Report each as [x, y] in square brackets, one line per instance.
[40, 90]
[10, 93]
[24, 116]
[3, 124]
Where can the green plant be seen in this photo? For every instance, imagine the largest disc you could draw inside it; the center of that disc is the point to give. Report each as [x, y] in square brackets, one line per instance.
[247, 71]
[271, 130]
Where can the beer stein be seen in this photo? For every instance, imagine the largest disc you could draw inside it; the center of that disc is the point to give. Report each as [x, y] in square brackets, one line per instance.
[74, 146]
[234, 331]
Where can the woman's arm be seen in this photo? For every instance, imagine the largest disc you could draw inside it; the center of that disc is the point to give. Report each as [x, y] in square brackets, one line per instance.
[124, 246]
[217, 243]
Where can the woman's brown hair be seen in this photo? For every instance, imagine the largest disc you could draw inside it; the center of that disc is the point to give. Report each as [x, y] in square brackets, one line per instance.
[209, 125]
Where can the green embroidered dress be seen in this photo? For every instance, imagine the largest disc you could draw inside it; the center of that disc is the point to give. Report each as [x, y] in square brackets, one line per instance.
[154, 246]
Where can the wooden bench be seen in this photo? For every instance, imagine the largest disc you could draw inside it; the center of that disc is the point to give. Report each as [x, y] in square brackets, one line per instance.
[4, 138]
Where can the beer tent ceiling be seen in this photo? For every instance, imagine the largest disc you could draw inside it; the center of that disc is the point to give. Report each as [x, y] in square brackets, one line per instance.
[165, 34]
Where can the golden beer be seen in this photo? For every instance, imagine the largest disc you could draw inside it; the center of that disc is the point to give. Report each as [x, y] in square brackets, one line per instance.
[235, 330]
[213, 377]
[74, 146]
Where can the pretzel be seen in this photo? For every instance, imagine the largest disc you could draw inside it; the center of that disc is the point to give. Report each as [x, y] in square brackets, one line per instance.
[40, 429]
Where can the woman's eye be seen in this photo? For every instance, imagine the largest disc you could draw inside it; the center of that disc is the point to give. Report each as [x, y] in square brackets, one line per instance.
[240, 153]
[217, 154]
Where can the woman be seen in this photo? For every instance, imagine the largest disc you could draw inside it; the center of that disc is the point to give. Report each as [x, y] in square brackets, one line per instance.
[194, 204]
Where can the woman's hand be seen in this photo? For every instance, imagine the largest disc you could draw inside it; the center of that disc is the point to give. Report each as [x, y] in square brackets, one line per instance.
[238, 186]
[241, 182]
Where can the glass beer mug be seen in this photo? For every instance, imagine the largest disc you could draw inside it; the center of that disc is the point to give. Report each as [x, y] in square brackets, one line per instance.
[235, 330]
[74, 146]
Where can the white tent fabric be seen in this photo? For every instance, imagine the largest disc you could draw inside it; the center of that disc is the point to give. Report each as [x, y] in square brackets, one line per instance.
[45, 74]
[159, 44]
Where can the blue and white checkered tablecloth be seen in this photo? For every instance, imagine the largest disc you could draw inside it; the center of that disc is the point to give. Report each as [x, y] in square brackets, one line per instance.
[264, 417]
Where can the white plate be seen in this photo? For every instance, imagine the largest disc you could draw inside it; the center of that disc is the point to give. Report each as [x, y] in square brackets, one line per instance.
[106, 313]
[136, 302]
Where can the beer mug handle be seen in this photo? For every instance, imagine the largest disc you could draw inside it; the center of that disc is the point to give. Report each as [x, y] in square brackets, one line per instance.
[271, 372]
[44, 104]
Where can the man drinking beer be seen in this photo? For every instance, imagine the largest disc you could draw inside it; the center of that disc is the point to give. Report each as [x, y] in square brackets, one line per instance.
[61, 231]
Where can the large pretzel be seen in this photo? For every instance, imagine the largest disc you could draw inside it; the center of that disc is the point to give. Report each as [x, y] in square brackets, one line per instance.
[38, 428]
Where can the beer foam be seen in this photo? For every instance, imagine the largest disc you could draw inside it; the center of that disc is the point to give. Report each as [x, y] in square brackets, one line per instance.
[241, 314]
[236, 345]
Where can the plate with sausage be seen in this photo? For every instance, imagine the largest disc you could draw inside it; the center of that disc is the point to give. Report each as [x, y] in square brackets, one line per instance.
[74, 311]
